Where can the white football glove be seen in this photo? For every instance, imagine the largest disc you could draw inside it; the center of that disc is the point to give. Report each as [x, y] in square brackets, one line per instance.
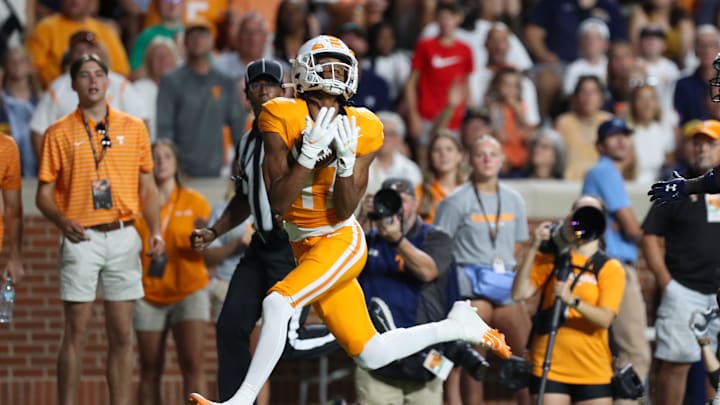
[346, 142]
[316, 138]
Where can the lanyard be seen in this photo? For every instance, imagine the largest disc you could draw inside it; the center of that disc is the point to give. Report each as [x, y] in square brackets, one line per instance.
[92, 142]
[492, 229]
[169, 212]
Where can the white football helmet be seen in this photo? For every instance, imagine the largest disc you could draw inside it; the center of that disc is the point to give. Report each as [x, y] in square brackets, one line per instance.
[307, 74]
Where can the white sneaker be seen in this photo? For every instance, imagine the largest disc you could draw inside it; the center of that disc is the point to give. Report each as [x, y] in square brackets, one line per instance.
[476, 331]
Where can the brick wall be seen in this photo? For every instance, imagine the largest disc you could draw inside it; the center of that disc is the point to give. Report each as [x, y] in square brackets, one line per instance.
[29, 345]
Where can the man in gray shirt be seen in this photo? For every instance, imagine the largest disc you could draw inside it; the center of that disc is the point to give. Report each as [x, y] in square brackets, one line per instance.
[194, 102]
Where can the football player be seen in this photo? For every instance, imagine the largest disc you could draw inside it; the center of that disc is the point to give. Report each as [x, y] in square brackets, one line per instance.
[317, 153]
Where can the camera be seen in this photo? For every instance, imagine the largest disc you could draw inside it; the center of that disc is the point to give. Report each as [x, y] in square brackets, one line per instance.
[585, 225]
[468, 358]
[386, 204]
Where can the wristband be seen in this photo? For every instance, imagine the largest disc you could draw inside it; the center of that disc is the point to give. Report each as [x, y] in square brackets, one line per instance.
[574, 304]
[215, 233]
[397, 242]
[710, 184]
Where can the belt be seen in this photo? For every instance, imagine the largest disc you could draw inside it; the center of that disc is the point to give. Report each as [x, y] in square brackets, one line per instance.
[112, 226]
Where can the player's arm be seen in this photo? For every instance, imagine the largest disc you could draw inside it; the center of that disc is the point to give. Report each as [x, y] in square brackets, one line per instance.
[284, 182]
[349, 190]
[707, 183]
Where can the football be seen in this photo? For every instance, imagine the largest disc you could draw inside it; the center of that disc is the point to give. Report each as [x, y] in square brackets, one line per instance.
[326, 158]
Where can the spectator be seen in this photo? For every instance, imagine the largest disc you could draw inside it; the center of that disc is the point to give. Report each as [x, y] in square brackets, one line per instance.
[672, 19]
[475, 123]
[94, 210]
[446, 172]
[294, 25]
[47, 43]
[268, 258]
[473, 33]
[594, 37]
[436, 64]
[710, 363]
[170, 26]
[211, 11]
[487, 220]
[624, 73]
[546, 157]
[250, 43]
[194, 102]
[11, 190]
[508, 118]
[622, 235]
[653, 136]
[591, 302]
[497, 44]
[386, 60]
[409, 275]
[687, 103]
[268, 9]
[578, 127]
[18, 97]
[658, 70]
[60, 99]
[687, 276]
[373, 91]
[176, 299]
[161, 58]
[391, 159]
[16, 20]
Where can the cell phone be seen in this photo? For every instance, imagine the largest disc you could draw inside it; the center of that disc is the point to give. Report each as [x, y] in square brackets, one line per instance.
[157, 267]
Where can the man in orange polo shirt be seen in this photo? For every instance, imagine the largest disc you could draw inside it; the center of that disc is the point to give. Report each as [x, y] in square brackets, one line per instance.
[95, 174]
[12, 203]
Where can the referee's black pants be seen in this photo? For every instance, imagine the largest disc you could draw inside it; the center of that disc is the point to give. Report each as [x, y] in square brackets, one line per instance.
[263, 265]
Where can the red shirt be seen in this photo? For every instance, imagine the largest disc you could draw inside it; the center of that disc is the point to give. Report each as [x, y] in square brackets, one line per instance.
[439, 66]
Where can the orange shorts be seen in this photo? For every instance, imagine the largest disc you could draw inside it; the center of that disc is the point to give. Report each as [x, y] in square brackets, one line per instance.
[326, 277]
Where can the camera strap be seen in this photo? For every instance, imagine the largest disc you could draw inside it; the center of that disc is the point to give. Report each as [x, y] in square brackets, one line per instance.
[493, 229]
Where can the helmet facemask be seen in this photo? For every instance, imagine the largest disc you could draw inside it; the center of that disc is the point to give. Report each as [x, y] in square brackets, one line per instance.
[338, 77]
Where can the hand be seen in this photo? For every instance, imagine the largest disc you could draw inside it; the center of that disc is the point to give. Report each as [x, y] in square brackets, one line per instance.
[366, 206]
[318, 137]
[542, 232]
[243, 241]
[73, 231]
[669, 191]
[562, 291]
[14, 270]
[456, 94]
[200, 239]
[414, 125]
[157, 247]
[700, 321]
[346, 142]
[389, 228]
[663, 281]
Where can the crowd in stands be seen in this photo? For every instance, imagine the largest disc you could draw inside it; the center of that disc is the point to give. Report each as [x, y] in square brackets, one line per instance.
[539, 77]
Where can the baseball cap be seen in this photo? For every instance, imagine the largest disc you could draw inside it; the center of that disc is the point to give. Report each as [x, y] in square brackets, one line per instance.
[83, 37]
[710, 128]
[399, 184]
[198, 23]
[594, 24]
[264, 68]
[652, 31]
[611, 127]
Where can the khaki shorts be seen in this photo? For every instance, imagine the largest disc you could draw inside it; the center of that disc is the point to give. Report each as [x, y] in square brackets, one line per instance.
[149, 317]
[113, 258]
[218, 290]
[372, 391]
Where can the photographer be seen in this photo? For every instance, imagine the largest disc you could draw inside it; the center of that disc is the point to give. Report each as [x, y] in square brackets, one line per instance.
[405, 281]
[581, 368]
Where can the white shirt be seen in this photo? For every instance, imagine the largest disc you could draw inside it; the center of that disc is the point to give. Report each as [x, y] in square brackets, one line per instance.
[401, 167]
[666, 73]
[60, 100]
[517, 55]
[148, 91]
[395, 69]
[652, 143]
[582, 67]
[480, 81]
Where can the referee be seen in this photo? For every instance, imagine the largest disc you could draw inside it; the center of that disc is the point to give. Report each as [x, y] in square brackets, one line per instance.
[268, 258]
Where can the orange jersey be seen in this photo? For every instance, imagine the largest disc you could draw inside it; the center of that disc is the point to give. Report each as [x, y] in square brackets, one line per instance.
[582, 353]
[286, 117]
[48, 42]
[67, 160]
[437, 194]
[185, 271]
[9, 170]
[209, 10]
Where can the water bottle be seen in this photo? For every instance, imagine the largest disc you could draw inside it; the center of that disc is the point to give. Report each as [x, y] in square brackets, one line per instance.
[7, 298]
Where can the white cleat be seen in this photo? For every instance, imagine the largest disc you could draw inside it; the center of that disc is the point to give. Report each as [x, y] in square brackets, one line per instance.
[476, 331]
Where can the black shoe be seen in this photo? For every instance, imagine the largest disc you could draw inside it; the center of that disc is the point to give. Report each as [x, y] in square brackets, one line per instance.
[380, 314]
